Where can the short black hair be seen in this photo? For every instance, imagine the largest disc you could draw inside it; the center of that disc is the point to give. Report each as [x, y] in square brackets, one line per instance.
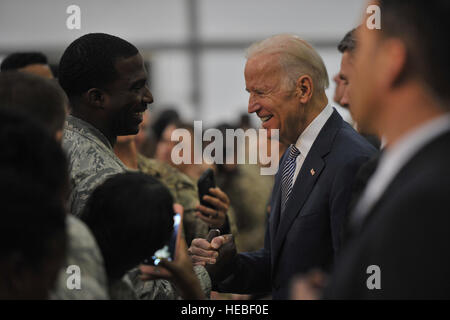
[89, 62]
[131, 216]
[423, 27]
[348, 43]
[28, 149]
[42, 98]
[20, 60]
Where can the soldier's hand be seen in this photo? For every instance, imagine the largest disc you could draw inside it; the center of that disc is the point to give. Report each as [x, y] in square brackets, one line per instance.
[216, 256]
[202, 253]
[217, 217]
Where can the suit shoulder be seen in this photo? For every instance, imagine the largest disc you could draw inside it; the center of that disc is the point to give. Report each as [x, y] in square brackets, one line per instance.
[350, 143]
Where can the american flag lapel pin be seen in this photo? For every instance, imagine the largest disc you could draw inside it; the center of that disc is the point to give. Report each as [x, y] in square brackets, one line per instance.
[313, 172]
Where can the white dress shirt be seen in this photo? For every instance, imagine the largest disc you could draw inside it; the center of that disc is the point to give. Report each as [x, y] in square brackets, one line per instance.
[308, 136]
[392, 161]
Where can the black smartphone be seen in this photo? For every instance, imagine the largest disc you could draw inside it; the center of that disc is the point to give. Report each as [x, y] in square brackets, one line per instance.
[169, 250]
[205, 182]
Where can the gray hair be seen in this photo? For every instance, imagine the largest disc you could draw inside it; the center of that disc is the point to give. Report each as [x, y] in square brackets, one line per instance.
[297, 57]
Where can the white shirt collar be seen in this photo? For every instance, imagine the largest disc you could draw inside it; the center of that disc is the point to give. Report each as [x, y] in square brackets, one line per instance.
[309, 135]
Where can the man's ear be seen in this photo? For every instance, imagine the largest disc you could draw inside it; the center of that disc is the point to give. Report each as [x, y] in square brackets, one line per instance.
[394, 62]
[304, 88]
[96, 98]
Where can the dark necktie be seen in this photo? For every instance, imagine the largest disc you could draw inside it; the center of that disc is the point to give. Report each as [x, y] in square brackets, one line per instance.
[287, 176]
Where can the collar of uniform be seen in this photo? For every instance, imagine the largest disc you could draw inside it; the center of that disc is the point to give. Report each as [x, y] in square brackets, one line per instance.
[87, 130]
[309, 135]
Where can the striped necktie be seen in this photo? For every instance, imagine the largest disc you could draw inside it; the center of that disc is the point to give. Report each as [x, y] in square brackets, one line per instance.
[288, 174]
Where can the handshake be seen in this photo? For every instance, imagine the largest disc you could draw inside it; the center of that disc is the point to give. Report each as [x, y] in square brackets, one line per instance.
[216, 253]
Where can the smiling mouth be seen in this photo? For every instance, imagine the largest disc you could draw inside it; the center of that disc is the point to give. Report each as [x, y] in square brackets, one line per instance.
[138, 115]
[265, 119]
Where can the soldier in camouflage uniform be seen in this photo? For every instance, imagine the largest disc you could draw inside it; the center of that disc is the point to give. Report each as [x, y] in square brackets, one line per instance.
[91, 161]
[106, 82]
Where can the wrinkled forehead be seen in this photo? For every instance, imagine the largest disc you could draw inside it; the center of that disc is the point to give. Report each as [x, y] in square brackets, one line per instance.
[264, 62]
[263, 69]
[263, 72]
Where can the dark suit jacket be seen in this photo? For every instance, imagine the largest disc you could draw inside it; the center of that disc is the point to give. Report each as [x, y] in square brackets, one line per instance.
[362, 178]
[308, 235]
[406, 234]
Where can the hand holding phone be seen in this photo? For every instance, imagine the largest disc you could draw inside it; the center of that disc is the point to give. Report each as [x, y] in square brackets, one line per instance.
[180, 270]
[169, 251]
[205, 182]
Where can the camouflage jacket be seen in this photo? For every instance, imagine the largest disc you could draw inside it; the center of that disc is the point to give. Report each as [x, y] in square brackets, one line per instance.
[183, 190]
[156, 289]
[91, 160]
[83, 253]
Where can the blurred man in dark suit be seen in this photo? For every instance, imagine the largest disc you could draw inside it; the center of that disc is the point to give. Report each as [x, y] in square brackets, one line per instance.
[400, 223]
[347, 47]
[286, 79]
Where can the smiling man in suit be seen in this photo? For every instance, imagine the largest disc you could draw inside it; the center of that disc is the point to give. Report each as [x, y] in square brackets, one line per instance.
[286, 79]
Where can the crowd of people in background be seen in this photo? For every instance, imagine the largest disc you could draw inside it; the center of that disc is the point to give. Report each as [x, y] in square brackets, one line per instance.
[87, 175]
